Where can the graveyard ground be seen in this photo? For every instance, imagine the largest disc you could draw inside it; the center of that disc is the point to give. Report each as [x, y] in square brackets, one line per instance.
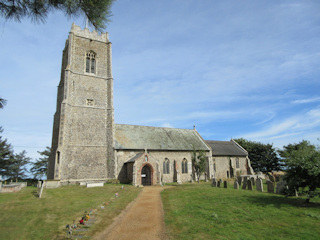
[195, 211]
[24, 216]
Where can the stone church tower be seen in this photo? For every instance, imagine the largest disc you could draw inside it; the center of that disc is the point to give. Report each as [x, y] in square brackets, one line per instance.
[83, 129]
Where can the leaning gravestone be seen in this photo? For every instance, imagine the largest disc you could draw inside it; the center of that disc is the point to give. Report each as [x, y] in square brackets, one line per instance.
[259, 185]
[270, 186]
[225, 184]
[252, 181]
[236, 184]
[249, 183]
[214, 182]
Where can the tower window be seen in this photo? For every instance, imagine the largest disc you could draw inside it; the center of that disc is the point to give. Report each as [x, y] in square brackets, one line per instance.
[91, 62]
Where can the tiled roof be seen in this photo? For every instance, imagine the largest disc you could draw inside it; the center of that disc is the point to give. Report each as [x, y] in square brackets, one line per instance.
[157, 138]
[226, 148]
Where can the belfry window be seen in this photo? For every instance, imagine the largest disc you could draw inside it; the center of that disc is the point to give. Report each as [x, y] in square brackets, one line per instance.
[166, 166]
[91, 62]
[184, 166]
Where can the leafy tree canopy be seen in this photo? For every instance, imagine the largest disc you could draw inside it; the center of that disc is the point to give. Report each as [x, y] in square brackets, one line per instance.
[302, 166]
[263, 157]
[98, 12]
[39, 168]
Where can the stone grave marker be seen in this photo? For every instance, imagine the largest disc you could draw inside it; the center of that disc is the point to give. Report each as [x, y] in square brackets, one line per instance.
[244, 185]
[252, 181]
[219, 183]
[214, 182]
[281, 187]
[270, 186]
[259, 185]
[225, 184]
[249, 183]
[95, 185]
[239, 180]
[236, 184]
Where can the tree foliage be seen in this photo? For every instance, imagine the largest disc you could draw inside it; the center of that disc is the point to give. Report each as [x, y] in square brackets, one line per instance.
[17, 168]
[199, 160]
[2, 102]
[302, 166]
[6, 155]
[98, 12]
[39, 168]
[263, 157]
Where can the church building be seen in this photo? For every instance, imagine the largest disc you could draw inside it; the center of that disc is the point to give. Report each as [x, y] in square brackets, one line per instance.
[87, 146]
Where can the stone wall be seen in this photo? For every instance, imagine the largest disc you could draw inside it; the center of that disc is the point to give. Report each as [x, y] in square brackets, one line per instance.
[155, 159]
[222, 164]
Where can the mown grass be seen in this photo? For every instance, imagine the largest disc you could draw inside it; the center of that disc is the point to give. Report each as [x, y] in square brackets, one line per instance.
[24, 216]
[199, 211]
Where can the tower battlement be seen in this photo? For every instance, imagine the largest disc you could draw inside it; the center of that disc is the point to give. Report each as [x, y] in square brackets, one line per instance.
[86, 33]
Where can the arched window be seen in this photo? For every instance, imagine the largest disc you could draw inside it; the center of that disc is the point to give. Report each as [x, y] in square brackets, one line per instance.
[166, 166]
[184, 166]
[91, 62]
[237, 163]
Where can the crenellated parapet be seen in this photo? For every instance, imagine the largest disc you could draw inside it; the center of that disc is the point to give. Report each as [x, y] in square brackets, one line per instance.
[86, 33]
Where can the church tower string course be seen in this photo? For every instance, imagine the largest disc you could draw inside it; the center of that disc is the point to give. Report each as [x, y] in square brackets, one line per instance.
[83, 129]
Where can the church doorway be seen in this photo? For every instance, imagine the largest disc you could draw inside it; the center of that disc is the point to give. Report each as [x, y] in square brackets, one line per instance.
[146, 175]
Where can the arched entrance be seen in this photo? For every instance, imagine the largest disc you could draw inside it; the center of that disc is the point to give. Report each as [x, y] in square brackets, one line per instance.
[146, 175]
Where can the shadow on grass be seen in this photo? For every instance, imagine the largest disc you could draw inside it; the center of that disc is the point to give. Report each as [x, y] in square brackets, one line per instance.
[280, 201]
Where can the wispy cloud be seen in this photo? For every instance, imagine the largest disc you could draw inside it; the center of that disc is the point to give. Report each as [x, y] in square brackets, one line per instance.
[306, 100]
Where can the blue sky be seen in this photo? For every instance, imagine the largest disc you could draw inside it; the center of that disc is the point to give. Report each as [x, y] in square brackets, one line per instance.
[232, 68]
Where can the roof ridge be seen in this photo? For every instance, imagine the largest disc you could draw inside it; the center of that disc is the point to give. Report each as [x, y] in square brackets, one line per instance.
[152, 126]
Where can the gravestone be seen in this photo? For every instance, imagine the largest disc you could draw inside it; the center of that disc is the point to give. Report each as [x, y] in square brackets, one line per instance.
[219, 183]
[281, 187]
[236, 184]
[259, 185]
[244, 185]
[249, 183]
[225, 184]
[0, 186]
[252, 181]
[214, 182]
[270, 186]
[239, 180]
[205, 177]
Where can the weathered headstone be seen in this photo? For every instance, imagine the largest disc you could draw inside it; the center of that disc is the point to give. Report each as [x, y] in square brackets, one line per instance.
[259, 185]
[239, 180]
[225, 184]
[0, 186]
[236, 184]
[205, 177]
[270, 186]
[249, 183]
[214, 182]
[219, 183]
[281, 186]
[252, 181]
[244, 185]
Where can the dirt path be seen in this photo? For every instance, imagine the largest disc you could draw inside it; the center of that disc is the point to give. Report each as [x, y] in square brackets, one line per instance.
[142, 219]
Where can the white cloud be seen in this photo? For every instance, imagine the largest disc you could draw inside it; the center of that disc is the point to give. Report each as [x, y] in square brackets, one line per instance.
[306, 100]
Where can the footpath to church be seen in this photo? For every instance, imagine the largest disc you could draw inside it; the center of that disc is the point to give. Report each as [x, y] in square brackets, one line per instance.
[142, 219]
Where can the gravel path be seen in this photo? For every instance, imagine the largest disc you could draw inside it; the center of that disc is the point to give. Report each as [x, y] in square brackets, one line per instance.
[142, 219]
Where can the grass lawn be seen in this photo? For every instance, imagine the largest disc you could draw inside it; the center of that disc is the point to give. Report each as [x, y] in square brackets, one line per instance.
[24, 216]
[195, 211]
